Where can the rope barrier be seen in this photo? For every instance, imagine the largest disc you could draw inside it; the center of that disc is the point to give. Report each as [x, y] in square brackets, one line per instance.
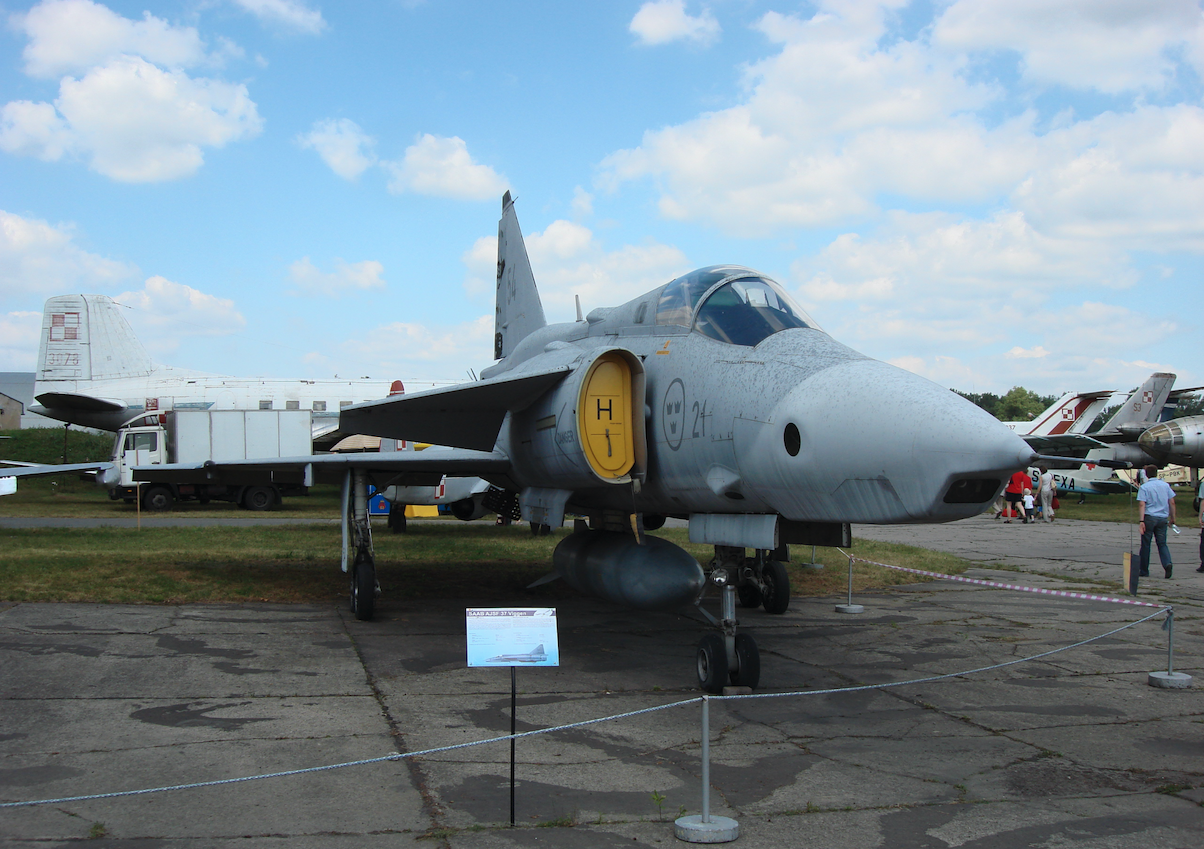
[1018, 587]
[858, 688]
[947, 675]
[393, 757]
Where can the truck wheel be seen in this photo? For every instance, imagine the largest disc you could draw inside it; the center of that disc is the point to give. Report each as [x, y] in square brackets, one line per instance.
[258, 498]
[157, 499]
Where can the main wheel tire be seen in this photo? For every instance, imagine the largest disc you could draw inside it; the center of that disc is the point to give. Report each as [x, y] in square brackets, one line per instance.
[749, 659]
[777, 587]
[156, 499]
[653, 522]
[258, 498]
[749, 595]
[712, 663]
[363, 588]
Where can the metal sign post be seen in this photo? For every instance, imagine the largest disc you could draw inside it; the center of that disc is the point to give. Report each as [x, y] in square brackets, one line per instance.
[512, 636]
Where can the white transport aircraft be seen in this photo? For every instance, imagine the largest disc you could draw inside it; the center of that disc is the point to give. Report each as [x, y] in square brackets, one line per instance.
[93, 371]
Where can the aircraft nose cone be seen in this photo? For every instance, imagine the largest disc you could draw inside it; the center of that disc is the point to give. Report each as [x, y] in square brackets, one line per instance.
[1177, 441]
[867, 442]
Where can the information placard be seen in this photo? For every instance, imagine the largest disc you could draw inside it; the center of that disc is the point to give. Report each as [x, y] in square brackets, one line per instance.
[512, 636]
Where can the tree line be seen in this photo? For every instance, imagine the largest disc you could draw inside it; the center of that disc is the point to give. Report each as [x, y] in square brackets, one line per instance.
[1022, 405]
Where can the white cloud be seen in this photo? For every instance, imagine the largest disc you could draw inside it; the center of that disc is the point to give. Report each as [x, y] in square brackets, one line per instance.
[1117, 46]
[129, 109]
[569, 261]
[37, 258]
[847, 118]
[442, 167]
[163, 313]
[664, 21]
[407, 351]
[288, 14]
[342, 145]
[1019, 353]
[1134, 180]
[356, 276]
[72, 36]
[583, 203]
[928, 253]
[20, 332]
[34, 129]
[798, 149]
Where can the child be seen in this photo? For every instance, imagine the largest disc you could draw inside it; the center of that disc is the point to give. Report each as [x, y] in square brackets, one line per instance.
[1028, 505]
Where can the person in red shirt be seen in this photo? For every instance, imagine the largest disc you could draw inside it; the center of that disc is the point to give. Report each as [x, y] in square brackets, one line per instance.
[1015, 493]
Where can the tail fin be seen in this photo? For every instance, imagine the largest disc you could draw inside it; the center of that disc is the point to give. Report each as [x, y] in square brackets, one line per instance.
[1143, 407]
[519, 311]
[1068, 411]
[85, 337]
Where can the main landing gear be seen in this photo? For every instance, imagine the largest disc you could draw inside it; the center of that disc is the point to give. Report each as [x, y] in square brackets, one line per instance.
[728, 658]
[357, 535]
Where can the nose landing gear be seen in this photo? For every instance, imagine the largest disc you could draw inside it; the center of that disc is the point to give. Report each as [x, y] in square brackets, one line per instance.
[731, 658]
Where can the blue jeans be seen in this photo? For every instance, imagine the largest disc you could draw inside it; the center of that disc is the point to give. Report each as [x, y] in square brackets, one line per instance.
[1155, 527]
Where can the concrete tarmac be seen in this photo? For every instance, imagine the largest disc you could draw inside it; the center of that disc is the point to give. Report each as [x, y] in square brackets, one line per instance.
[1074, 750]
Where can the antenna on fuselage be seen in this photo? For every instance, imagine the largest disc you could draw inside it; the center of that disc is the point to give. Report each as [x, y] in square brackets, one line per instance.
[577, 298]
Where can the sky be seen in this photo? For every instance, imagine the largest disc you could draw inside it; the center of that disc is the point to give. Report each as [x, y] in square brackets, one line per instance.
[989, 193]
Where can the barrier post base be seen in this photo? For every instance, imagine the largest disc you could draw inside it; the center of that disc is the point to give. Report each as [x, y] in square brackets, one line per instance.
[692, 829]
[850, 608]
[1170, 680]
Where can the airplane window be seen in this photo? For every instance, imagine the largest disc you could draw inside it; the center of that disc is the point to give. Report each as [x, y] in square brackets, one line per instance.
[265, 405]
[319, 406]
[745, 311]
[292, 405]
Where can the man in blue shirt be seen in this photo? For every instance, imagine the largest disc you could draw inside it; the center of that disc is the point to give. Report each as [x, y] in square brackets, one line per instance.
[1155, 510]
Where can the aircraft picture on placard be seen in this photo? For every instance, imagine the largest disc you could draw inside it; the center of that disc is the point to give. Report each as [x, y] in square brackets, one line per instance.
[536, 655]
[713, 398]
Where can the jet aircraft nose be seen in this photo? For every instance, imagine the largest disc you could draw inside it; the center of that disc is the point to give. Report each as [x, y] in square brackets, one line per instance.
[1177, 441]
[863, 441]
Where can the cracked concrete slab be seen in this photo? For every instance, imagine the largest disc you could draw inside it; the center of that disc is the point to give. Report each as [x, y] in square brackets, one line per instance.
[1074, 750]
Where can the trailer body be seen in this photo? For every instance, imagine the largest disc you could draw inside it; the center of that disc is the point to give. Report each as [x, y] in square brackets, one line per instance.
[198, 436]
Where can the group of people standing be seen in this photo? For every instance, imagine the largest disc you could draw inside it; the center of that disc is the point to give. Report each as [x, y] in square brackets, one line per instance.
[1019, 500]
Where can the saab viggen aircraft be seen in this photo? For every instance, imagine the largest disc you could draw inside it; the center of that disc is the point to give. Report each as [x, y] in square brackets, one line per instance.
[713, 398]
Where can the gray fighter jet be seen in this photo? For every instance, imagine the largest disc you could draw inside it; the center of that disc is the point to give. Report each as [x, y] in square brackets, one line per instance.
[716, 399]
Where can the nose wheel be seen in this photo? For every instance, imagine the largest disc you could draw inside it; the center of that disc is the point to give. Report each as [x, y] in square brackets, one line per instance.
[728, 658]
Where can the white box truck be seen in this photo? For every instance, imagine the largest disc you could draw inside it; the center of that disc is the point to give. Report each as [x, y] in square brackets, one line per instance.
[196, 436]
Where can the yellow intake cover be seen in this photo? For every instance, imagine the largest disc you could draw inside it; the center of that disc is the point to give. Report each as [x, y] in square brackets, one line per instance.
[604, 414]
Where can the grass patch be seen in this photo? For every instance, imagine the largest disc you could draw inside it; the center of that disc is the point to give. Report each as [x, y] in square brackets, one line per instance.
[1120, 507]
[299, 564]
[47, 444]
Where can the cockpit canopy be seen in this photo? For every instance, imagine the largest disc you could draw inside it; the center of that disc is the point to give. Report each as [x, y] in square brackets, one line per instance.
[729, 303]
